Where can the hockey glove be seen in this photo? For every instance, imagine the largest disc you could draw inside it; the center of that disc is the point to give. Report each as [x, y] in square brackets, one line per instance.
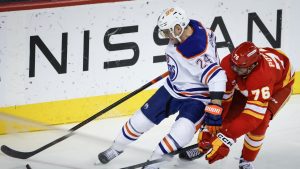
[213, 117]
[220, 148]
[204, 138]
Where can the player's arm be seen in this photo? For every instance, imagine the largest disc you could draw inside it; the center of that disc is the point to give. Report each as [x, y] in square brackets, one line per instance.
[230, 85]
[250, 118]
[226, 102]
[214, 76]
[228, 95]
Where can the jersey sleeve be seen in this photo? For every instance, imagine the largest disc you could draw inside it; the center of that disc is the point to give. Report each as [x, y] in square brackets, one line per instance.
[231, 76]
[230, 85]
[214, 76]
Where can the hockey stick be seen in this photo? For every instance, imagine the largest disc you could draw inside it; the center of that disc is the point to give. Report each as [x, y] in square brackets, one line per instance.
[24, 155]
[164, 158]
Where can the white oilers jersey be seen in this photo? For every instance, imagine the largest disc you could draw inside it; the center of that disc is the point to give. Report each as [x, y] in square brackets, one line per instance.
[194, 66]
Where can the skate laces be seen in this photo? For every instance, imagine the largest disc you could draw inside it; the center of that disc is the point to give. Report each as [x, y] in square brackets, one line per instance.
[243, 164]
[111, 153]
[193, 153]
[149, 167]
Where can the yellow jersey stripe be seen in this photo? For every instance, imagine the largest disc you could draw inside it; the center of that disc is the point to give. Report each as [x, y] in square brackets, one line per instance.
[248, 146]
[254, 114]
[255, 137]
[258, 103]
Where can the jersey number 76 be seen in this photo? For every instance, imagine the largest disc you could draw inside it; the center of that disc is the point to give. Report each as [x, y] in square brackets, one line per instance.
[265, 93]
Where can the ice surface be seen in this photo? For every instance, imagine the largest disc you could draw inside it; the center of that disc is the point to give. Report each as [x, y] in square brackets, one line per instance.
[281, 147]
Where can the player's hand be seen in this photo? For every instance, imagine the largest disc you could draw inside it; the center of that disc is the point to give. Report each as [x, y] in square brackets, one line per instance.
[204, 138]
[213, 117]
[213, 129]
[220, 148]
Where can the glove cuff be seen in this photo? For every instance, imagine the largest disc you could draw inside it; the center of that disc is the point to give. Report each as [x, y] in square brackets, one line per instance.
[226, 140]
[213, 109]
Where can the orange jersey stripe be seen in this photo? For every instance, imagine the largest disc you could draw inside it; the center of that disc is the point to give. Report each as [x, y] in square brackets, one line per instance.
[168, 144]
[211, 72]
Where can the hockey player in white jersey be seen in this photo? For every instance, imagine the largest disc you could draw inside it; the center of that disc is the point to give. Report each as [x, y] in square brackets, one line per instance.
[194, 88]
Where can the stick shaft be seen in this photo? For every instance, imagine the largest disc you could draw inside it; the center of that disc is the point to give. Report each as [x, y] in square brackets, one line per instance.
[119, 101]
[167, 156]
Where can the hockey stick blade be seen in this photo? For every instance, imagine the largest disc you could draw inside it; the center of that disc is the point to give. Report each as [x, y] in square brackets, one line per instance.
[16, 154]
[165, 158]
[24, 155]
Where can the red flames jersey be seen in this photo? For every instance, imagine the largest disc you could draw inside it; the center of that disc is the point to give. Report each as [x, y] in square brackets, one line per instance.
[272, 73]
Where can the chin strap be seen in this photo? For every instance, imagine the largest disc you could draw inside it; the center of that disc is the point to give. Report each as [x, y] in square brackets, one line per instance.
[178, 37]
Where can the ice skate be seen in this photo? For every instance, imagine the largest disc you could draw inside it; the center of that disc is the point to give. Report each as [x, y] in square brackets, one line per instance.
[245, 164]
[150, 167]
[191, 154]
[107, 155]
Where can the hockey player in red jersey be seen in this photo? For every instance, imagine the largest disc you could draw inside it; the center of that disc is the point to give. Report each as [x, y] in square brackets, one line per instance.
[264, 77]
[259, 83]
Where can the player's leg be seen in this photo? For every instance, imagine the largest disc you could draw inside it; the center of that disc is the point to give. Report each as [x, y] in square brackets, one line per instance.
[151, 113]
[182, 132]
[254, 140]
[131, 131]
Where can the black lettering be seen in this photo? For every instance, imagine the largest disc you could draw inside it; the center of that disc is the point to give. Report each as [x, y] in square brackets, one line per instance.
[225, 140]
[121, 46]
[228, 42]
[36, 41]
[253, 17]
[86, 46]
[159, 42]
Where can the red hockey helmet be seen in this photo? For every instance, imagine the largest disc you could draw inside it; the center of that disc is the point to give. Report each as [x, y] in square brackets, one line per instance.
[245, 55]
[244, 58]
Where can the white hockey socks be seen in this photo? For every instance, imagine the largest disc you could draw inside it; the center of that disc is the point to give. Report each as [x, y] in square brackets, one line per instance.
[132, 130]
[182, 132]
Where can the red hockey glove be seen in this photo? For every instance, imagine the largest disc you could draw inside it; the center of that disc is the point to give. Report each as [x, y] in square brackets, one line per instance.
[220, 148]
[204, 138]
[213, 117]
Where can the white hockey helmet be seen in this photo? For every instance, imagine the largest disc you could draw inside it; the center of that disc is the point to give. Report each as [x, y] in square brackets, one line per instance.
[169, 18]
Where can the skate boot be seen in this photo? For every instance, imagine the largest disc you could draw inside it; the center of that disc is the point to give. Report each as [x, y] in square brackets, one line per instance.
[245, 164]
[149, 167]
[108, 155]
[191, 154]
